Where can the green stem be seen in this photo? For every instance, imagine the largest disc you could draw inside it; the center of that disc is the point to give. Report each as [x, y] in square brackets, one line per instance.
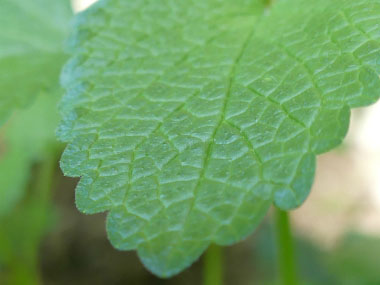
[285, 251]
[213, 266]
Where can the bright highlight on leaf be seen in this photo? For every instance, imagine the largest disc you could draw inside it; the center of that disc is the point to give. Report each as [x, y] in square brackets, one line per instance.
[187, 119]
[31, 54]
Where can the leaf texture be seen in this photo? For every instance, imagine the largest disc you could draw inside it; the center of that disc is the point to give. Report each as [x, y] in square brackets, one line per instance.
[31, 54]
[187, 119]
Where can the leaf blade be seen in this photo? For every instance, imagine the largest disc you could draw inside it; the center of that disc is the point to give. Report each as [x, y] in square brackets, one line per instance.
[187, 125]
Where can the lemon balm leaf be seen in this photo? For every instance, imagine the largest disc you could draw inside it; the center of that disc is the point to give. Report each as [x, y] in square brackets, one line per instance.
[186, 120]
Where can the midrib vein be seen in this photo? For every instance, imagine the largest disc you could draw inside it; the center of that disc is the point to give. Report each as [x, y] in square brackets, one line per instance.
[210, 143]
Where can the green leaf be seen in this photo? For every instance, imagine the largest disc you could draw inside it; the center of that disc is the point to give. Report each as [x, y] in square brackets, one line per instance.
[31, 55]
[187, 119]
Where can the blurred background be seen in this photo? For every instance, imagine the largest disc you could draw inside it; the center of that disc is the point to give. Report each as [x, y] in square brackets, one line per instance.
[45, 240]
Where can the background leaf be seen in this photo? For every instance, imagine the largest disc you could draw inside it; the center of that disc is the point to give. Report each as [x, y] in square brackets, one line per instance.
[31, 49]
[186, 120]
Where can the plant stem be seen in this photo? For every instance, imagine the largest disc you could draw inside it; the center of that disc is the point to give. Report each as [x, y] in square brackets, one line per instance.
[285, 251]
[213, 266]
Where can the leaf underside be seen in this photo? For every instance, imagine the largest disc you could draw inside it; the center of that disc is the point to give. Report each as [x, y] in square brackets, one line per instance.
[187, 119]
[31, 55]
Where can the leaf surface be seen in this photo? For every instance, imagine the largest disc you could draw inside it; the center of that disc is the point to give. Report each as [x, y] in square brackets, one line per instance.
[31, 49]
[187, 119]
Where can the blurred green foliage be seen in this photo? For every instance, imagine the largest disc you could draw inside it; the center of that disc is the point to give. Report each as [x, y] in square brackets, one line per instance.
[31, 49]
[25, 139]
[353, 261]
[32, 37]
